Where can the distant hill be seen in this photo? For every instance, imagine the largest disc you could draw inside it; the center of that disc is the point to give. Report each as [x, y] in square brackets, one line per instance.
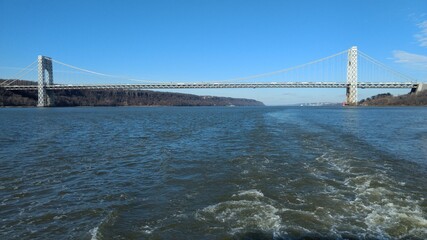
[386, 99]
[70, 98]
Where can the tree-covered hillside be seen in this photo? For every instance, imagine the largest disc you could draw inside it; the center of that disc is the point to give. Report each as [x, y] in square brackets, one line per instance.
[386, 99]
[66, 98]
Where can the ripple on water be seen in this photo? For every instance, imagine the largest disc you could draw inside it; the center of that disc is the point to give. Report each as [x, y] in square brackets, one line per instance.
[373, 203]
[175, 173]
[246, 211]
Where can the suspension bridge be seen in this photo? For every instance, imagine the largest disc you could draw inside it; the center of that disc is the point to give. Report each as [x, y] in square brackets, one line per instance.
[341, 70]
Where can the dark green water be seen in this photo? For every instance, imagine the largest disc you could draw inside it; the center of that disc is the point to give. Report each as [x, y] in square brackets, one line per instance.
[213, 173]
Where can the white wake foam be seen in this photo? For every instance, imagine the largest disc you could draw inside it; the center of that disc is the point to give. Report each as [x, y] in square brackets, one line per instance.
[249, 210]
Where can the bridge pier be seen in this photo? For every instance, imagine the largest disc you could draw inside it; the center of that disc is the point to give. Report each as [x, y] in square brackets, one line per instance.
[420, 87]
[352, 77]
[45, 78]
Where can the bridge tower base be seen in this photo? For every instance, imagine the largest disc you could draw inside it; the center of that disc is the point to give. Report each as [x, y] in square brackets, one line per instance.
[352, 77]
[420, 87]
[45, 72]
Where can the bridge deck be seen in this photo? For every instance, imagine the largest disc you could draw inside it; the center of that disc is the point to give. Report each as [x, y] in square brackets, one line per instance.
[215, 85]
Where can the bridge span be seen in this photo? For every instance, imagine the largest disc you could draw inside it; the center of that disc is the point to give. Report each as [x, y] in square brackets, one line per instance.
[350, 79]
[408, 85]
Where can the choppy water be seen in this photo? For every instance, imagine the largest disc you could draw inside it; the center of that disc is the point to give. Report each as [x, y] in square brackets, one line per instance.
[213, 173]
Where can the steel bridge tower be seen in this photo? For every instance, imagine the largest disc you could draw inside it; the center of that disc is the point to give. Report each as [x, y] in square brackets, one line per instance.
[352, 77]
[45, 72]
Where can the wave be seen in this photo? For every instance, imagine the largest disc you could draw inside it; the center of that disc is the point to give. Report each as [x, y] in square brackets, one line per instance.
[247, 210]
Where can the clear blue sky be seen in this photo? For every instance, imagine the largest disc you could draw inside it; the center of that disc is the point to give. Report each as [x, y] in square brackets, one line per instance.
[201, 40]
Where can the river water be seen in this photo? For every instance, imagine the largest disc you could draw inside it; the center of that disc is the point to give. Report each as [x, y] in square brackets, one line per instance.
[213, 173]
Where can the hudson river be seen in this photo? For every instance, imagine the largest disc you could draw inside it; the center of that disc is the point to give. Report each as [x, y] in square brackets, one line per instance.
[213, 173]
